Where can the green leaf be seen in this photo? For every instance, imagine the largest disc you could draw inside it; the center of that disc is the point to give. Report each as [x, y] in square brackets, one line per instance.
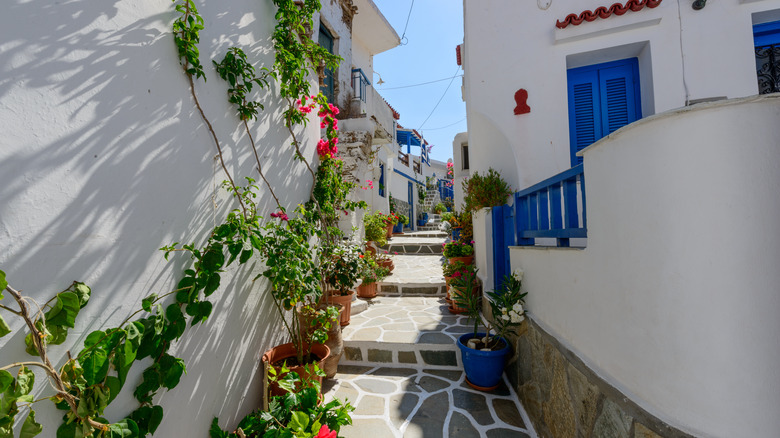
[58, 334]
[114, 385]
[147, 302]
[6, 380]
[148, 418]
[83, 292]
[149, 386]
[94, 337]
[3, 284]
[298, 421]
[25, 379]
[30, 427]
[245, 255]
[4, 329]
[172, 370]
[95, 364]
[65, 310]
[212, 284]
[123, 429]
[176, 322]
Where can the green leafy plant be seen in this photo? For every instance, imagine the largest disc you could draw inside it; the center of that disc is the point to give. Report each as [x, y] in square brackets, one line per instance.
[371, 271]
[506, 306]
[421, 194]
[375, 228]
[486, 190]
[342, 267]
[457, 249]
[298, 413]
[439, 208]
[450, 269]
[402, 218]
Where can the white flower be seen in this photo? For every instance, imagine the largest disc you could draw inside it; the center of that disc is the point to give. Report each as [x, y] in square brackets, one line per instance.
[519, 274]
[503, 310]
[518, 308]
[516, 319]
[505, 317]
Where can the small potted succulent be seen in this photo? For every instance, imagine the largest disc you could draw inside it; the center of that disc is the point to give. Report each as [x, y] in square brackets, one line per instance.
[457, 251]
[484, 354]
[371, 273]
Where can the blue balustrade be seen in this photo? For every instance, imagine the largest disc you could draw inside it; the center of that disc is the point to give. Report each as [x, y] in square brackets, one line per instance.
[551, 209]
[359, 83]
[446, 190]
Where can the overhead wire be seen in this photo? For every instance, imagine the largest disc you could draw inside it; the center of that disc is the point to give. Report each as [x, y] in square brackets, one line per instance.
[444, 127]
[403, 36]
[421, 83]
[440, 99]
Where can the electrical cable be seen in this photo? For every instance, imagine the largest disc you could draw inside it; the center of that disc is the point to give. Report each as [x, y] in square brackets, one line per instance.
[443, 127]
[440, 99]
[422, 83]
[403, 36]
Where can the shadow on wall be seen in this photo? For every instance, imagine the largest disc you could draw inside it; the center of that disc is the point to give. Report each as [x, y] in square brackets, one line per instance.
[104, 159]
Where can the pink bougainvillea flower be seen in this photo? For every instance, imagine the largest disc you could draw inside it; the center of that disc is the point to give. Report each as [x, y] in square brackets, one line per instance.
[395, 252]
[281, 215]
[325, 432]
[323, 124]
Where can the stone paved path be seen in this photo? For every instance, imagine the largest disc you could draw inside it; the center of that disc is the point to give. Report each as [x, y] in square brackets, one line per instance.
[413, 402]
[401, 367]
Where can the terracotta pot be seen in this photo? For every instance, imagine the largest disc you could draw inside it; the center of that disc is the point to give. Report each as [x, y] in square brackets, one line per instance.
[390, 231]
[283, 352]
[335, 340]
[370, 248]
[386, 263]
[367, 290]
[344, 300]
[467, 260]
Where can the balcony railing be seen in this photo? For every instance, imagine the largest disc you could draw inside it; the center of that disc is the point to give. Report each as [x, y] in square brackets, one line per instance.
[403, 158]
[445, 189]
[768, 68]
[359, 83]
[552, 209]
[417, 166]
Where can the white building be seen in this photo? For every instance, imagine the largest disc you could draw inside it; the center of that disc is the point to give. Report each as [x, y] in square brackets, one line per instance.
[104, 158]
[665, 313]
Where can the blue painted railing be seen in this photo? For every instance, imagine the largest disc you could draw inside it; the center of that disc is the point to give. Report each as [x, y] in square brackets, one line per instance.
[445, 190]
[359, 83]
[551, 209]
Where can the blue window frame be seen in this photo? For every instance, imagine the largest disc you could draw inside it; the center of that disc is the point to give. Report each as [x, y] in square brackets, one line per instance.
[602, 99]
[381, 180]
[328, 86]
[766, 37]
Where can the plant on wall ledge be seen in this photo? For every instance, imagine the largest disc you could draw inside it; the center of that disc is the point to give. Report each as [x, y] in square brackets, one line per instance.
[487, 190]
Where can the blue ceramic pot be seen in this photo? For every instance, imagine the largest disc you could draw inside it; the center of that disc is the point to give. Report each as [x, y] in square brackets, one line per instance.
[421, 222]
[483, 368]
[399, 228]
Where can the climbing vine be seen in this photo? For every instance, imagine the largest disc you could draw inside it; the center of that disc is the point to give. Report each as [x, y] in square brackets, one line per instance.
[89, 381]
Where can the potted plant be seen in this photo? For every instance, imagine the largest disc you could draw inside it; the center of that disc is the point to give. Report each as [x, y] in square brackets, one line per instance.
[341, 269]
[322, 324]
[390, 220]
[295, 285]
[449, 270]
[422, 217]
[484, 354]
[385, 261]
[375, 229]
[463, 282]
[457, 251]
[297, 412]
[452, 219]
[486, 190]
[403, 220]
[439, 208]
[370, 274]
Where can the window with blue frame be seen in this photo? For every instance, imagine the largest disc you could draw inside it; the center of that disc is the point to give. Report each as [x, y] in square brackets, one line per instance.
[602, 99]
[382, 180]
[326, 40]
[766, 38]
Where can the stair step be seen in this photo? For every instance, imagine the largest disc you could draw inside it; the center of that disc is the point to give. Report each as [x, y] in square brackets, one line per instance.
[404, 331]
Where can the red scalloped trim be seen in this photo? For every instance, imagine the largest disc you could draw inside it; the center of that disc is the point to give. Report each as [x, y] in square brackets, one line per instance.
[604, 12]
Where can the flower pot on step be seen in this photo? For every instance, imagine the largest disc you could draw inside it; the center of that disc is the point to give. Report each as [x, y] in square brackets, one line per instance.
[389, 231]
[335, 340]
[467, 260]
[344, 300]
[367, 290]
[484, 369]
[280, 354]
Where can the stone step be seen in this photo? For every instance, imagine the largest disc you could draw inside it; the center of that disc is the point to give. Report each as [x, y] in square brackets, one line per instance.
[404, 331]
[429, 232]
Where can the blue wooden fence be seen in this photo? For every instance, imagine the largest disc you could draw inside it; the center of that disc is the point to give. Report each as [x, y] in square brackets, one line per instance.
[547, 209]
[446, 191]
[550, 209]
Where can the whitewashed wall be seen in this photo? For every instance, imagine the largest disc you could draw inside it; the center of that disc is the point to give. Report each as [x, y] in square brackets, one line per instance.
[458, 172]
[675, 298]
[104, 159]
[511, 45]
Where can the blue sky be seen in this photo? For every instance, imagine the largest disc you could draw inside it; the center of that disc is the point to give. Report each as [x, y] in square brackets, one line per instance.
[435, 29]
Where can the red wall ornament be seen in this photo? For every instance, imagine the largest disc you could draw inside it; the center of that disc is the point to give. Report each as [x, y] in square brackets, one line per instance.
[604, 12]
[521, 97]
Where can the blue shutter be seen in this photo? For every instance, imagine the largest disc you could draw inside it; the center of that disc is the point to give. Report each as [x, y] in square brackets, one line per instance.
[602, 99]
[584, 118]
